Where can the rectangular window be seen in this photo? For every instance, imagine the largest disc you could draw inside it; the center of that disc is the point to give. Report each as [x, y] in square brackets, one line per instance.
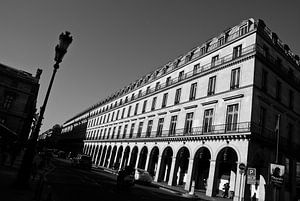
[264, 80]
[123, 112]
[262, 117]
[196, 69]
[148, 90]
[188, 127]
[278, 90]
[153, 103]
[173, 123]
[149, 128]
[112, 116]
[129, 110]
[109, 129]
[140, 128]
[104, 133]
[177, 96]
[119, 103]
[113, 132]
[214, 59]
[243, 30]
[291, 99]
[131, 130]
[104, 118]
[221, 41]
[132, 96]
[144, 106]
[193, 91]
[140, 93]
[211, 86]
[160, 127]
[232, 117]
[108, 118]
[125, 131]
[207, 120]
[164, 101]
[237, 51]
[181, 75]
[119, 132]
[235, 79]
[168, 81]
[157, 86]
[126, 99]
[136, 109]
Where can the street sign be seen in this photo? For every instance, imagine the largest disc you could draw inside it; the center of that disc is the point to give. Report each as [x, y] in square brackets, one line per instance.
[251, 176]
[242, 168]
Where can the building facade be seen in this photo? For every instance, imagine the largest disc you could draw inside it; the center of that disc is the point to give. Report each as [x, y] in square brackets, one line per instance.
[18, 96]
[196, 121]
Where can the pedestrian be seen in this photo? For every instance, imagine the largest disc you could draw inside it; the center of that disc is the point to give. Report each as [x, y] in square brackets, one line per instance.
[226, 189]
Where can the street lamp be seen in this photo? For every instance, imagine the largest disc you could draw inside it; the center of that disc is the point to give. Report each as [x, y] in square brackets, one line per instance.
[25, 170]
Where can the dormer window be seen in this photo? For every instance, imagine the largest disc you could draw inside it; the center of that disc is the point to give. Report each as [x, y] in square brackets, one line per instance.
[221, 40]
[243, 29]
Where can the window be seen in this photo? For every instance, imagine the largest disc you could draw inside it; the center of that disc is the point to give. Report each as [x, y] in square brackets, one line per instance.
[120, 102]
[188, 123]
[108, 133]
[232, 117]
[123, 112]
[153, 103]
[181, 75]
[173, 123]
[168, 81]
[119, 132]
[177, 96]
[291, 99]
[235, 78]
[148, 90]
[140, 93]
[243, 30]
[149, 128]
[211, 86]
[207, 120]
[131, 130]
[108, 118]
[128, 112]
[136, 108]
[112, 116]
[104, 118]
[160, 127]
[221, 40]
[164, 101]
[157, 86]
[264, 80]
[113, 133]
[214, 59]
[193, 91]
[126, 99]
[8, 101]
[104, 133]
[278, 90]
[237, 51]
[140, 128]
[262, 117]
[290, 129]
[144, 106]
[196, 68]
[125, 131]
[132, 96]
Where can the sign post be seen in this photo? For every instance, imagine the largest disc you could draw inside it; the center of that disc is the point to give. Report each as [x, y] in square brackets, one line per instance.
[251, 176]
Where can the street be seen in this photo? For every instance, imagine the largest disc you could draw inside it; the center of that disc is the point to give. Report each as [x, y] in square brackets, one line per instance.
[71, 184]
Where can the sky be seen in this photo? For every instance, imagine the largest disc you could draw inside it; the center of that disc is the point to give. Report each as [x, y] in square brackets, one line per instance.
[115, 42]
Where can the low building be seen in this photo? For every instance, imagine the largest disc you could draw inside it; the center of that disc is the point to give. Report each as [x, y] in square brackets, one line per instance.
[205, 119]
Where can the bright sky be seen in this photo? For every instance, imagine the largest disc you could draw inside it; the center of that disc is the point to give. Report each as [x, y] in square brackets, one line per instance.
[116, 42]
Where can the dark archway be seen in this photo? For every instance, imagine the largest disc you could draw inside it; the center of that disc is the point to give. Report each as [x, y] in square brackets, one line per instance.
[95, 154]
[143, 158]
[153, 160]
[99, 155]
[133, 157]
[125, 157]
[118, 158]
[112, 158]
[107, 156]
[181, 166]
[165, 166]
[103, 155]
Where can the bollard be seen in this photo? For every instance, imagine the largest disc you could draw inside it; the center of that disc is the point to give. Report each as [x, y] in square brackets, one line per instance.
[192, 192]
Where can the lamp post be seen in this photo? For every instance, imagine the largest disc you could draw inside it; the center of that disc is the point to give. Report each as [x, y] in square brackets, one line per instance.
[25, 170]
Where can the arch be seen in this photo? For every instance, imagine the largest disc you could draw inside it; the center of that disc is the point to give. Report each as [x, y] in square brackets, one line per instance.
[112, 158]
[99, 155]
[143, 158]
[201, 167]
[225, 171]
[125, 157]
[165, 167]
[103, 155]
[181, 166]
[153, 161]
[118, 158]
[107, 156]
[133, 156]
[95, 154]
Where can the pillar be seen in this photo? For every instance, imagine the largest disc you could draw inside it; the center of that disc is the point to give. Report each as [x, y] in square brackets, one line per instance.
[172, 171]
[158, 168]
[189, 174]
[211, 178]
[147, 161]
[137, 159]
[238, 185]
[121, 161]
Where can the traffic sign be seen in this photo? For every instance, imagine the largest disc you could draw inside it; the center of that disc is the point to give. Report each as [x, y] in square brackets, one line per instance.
[251, 176]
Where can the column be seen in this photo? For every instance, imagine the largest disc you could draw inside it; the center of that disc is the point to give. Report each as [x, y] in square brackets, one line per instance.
[147, 161]
[105, 152]
[129, 157]
[158, 168]
[121, 161]
[137, 159]
[238, 185]
[211, 178]
[172, 171]
[189, 175]
[100, 157]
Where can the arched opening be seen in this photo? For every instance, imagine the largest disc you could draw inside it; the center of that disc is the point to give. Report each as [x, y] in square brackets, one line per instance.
[112, 158]
[118, 159]
[165, 166]
[226, 170]
[107, 156]
[125, 157]
[143, 158]
[201, 168]
[99, 155]
[95, 154]
[103, 155]
[181, 167]
[153, 160]
[133, 157]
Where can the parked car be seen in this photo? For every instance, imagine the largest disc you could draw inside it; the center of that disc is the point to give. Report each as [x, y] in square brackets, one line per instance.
[126, 177]
[82, 161]
[142, 176]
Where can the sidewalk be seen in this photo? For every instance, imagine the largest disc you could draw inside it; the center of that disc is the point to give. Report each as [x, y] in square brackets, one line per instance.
[8, 175]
